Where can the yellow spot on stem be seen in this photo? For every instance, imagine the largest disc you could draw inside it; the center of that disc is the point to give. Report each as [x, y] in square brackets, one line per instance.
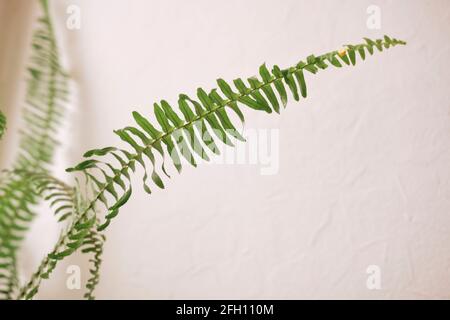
[343, 51]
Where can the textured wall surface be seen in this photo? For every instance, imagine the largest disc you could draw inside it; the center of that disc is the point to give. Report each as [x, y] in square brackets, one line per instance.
[364, 175]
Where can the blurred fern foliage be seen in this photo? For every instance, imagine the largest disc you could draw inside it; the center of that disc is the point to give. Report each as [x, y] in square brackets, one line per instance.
[2, 124]
[184, 133]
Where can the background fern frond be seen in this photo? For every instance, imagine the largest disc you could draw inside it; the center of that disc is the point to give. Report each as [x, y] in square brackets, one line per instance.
[93, 244]
[66, 203]
[46, 94]
[193, 130]
[2, 124]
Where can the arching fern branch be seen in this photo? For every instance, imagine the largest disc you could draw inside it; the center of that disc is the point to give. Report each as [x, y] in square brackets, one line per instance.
[45, 97]
[194, 129]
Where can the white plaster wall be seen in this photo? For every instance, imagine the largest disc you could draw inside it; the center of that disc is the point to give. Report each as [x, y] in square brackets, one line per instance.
[364, 176]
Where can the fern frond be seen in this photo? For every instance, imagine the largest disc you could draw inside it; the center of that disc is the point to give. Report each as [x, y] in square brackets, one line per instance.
[67, 203]
[195, 128]
[93, 244]
[60, 196]
[45, 98]
[187, 132]
[2, 124]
